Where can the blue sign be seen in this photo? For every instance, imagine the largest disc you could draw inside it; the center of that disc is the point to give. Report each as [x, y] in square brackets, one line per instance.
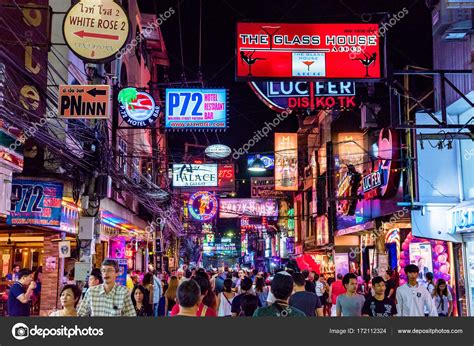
[196, 109]
[268, 160]
[36, 203]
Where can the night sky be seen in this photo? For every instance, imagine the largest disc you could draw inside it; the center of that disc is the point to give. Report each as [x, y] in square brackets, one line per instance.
[410, 42]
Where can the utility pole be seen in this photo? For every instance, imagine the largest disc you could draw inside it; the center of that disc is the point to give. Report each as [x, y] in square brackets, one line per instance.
[331, 191]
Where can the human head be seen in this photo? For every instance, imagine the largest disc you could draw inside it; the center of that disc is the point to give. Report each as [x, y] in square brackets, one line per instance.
[138, 295]
[259, 283]
[299, 280]
[16, 268]
[429, 277]
[412, 271]
[305, 273]
[241, 274]
[204, 284]
[421, 262]
[313, 276]
[147, 279]
[248, 304]
[69, 296]
[339, 276]
[388, 273]
[282, 285]
[350, 282]
[378, 284]
[109, 270]
[228, 285]
[246, 284]
[188, 273]
[25, 276]
[180, 273]
[189, 294]
[95, 278]
[441, 287]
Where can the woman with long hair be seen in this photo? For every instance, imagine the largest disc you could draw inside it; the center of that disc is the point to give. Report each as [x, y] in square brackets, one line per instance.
[224, 300]
[147, 284]
[143, 308]
[261, 290]
[69, 298]
[443, 299]
[209, 299]
[170, 295]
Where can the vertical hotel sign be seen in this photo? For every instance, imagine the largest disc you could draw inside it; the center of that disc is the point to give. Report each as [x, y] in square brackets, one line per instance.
[25, 41]
[286, 162]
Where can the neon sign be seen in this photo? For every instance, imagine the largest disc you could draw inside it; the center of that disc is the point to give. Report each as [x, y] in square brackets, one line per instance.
[202, 206]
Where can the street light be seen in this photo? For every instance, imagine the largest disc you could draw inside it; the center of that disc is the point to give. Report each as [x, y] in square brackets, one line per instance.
[257, 165]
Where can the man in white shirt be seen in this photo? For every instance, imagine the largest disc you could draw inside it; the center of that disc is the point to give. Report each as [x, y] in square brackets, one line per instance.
[413, 298]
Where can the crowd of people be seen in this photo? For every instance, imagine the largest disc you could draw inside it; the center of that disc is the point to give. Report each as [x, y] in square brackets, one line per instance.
[240, 293]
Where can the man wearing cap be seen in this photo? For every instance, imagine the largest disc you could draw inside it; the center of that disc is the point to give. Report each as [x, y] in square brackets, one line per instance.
[413, 298]
[281, 287]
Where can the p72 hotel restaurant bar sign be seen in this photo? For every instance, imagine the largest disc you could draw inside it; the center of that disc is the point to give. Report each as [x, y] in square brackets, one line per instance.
[307, 51]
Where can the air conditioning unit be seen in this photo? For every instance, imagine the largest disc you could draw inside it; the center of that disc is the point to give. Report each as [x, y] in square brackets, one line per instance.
[86, 228]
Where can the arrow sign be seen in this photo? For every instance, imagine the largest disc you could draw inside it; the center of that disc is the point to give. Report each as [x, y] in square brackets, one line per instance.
[83, 34]
[94, 92]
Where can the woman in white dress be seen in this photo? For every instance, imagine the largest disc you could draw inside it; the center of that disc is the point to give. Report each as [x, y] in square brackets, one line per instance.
[69, 298]
[224, 300]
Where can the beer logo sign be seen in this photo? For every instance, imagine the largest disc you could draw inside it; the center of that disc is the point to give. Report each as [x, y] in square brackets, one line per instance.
[137, 108]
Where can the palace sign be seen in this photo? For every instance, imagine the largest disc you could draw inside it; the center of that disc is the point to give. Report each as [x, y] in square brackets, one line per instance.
[302, 51]
[193, 175]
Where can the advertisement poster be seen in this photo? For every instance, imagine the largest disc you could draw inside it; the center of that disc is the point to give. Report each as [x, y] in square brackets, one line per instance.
[238, 207]
[286, 161]
[36, 203]
[64, 249]
[341, 261]
[193, 175]
[202, 206]
[196, 109]
[282, 50]
[420, 255]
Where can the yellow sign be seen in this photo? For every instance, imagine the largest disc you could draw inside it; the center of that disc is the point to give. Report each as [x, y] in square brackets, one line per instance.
[95, 30]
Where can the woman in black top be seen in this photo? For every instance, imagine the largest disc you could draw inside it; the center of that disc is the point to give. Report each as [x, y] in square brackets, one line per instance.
[140, 302]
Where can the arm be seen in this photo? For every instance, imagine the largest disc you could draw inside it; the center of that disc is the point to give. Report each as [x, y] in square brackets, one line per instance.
[218, 301]
[25, 297]
[430, 304]
[166, 306]
[319, 312]
[151, 295]
[338, 307]
[399, 303]
[390, 294]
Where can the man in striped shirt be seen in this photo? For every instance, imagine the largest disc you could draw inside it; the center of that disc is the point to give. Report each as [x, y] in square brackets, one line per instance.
[107, 299]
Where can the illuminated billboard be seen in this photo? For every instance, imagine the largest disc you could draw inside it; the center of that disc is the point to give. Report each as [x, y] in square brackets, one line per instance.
[286, 162]
[238, 207]
[193, 175]
[322, 51]
[196, 109]
[282, 95]
[267, 159]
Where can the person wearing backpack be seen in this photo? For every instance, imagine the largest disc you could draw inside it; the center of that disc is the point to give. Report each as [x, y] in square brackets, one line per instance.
[281, 287]
[224, 299]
